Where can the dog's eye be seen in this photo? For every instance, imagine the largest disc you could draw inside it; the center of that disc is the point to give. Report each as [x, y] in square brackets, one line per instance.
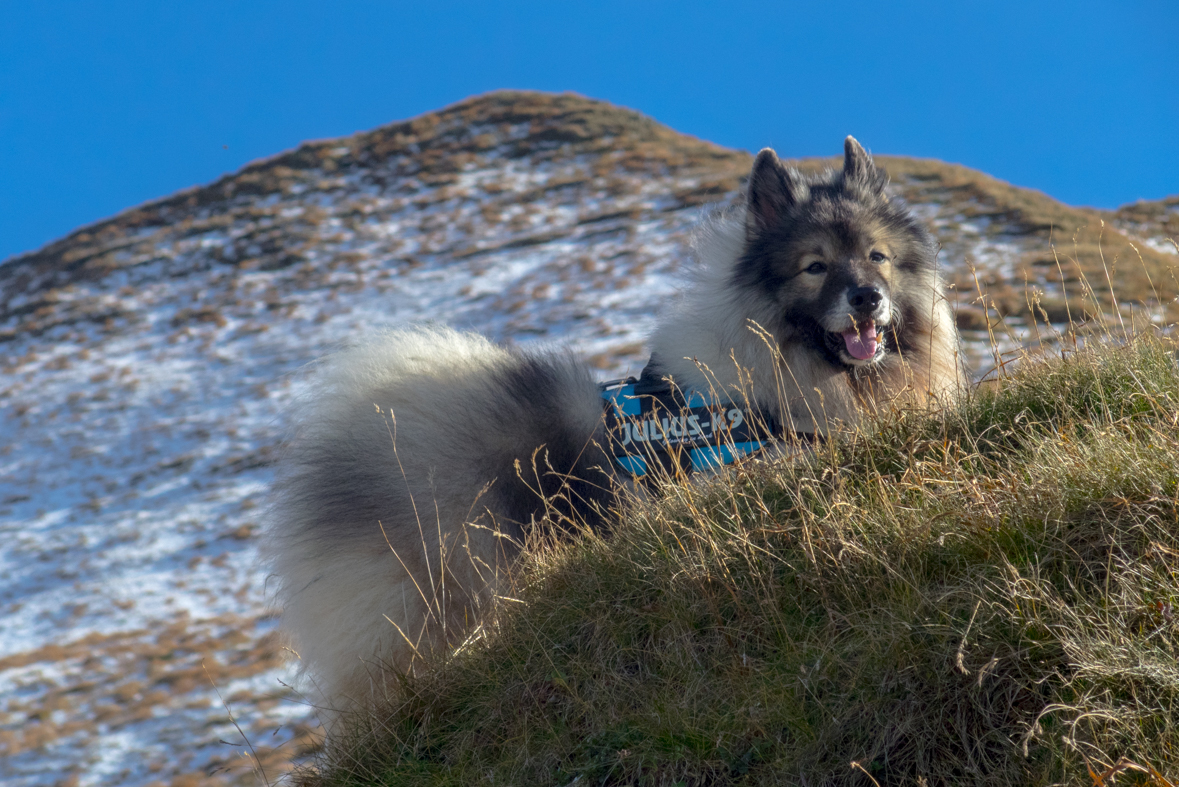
[816, 267]
[877, 257]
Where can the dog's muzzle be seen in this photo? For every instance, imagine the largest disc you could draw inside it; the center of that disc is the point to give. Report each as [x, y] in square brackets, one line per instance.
[859, 343]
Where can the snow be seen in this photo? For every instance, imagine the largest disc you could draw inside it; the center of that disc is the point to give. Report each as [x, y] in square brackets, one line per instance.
[136, 451]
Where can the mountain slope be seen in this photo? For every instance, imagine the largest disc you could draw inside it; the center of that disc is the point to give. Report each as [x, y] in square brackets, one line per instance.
[146, 360]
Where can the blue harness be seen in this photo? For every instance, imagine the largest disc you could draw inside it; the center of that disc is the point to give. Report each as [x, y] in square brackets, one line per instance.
[651, 423]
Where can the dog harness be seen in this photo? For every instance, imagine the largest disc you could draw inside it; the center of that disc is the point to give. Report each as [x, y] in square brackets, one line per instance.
[650, 422]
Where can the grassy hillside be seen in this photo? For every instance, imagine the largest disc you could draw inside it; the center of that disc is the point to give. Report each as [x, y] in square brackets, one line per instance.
[987, 597]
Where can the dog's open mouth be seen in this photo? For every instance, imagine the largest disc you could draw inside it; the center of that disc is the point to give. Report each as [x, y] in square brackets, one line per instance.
[861, 341]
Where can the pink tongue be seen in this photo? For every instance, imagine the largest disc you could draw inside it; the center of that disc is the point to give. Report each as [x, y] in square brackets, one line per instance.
[861, 344]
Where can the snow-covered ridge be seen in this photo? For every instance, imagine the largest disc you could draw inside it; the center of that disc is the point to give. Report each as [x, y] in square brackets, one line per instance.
[145, 362]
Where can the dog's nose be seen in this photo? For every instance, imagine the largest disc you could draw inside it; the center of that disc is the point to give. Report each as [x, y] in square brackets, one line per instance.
[864, 299]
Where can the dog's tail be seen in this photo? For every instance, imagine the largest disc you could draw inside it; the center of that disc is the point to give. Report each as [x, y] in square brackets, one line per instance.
[416, 466]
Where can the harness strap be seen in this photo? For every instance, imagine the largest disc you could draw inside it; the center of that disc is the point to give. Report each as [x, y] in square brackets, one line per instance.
[650, 422]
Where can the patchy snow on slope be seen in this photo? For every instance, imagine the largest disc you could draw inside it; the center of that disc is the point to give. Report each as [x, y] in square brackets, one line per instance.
[137, 445]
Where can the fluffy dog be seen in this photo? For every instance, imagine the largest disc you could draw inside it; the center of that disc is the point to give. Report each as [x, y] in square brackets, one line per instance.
[423, 458]
[843, 283]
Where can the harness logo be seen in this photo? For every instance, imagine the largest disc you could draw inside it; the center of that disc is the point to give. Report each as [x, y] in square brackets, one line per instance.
[699, 424]
[681, 432]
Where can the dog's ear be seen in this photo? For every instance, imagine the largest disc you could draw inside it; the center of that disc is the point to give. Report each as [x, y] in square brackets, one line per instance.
[773, 190]
[858, 167]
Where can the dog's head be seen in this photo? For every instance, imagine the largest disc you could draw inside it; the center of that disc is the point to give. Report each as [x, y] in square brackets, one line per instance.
[840, 264]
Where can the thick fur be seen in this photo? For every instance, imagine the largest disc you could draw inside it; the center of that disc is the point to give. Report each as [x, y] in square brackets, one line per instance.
[421, 459]
[415, 468]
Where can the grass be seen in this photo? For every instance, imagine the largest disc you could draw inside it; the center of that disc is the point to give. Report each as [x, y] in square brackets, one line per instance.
[989, 596]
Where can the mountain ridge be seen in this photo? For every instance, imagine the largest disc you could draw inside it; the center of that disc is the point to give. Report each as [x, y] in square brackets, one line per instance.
[581, 120]
[566, 119]
[434, 149]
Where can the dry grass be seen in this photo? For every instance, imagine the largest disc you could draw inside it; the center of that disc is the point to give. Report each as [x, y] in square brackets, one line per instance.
[989, 596]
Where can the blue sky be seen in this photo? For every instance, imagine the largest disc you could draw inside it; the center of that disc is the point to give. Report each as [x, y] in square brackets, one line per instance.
[104, 105]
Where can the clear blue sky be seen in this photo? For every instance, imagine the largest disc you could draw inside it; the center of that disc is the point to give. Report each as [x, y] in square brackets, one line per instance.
[104, 105]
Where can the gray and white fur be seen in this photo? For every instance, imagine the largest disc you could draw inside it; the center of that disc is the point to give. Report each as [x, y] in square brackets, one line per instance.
[422, 458]
[414, 470]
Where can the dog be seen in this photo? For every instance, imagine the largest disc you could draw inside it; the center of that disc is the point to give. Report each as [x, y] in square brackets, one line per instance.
[421, 460]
